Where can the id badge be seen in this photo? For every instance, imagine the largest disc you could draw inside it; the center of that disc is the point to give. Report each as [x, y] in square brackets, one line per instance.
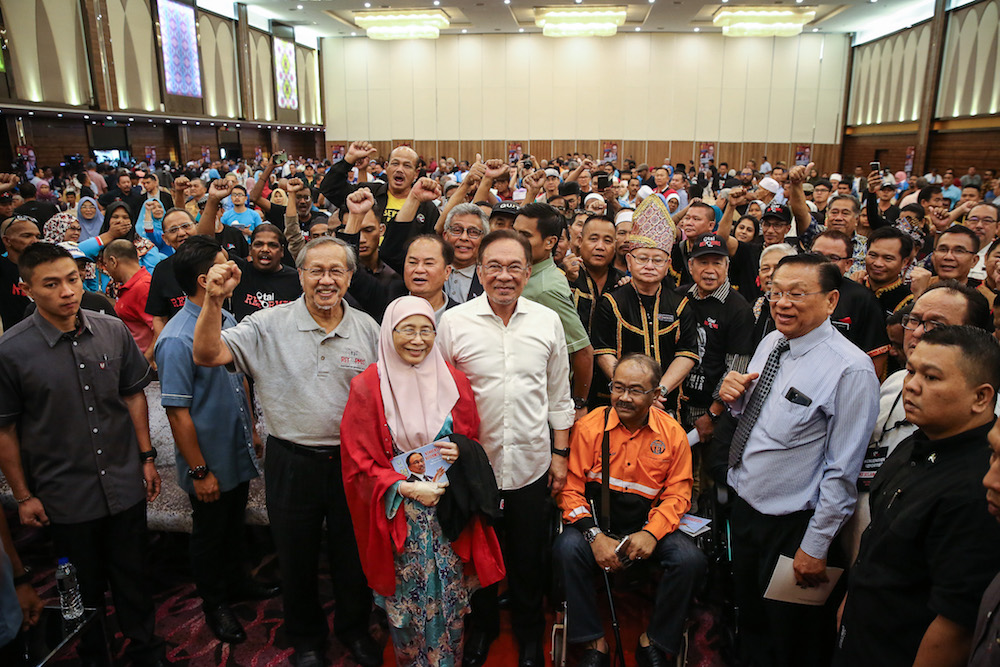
[874, 458]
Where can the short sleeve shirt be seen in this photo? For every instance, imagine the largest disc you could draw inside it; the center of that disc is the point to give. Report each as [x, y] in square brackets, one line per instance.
[165, 294]
[64, 392]
[548, 286]
[301, 373]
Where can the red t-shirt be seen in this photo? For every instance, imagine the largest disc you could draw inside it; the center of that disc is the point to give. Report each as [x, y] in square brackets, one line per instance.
[131, 308]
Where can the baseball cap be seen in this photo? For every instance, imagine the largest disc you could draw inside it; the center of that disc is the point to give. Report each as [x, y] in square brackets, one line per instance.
[552, 172]
[708, 244]
[74, 250]
[506, 208]
[6, 198]
[807, 188]
[779, 211]
[888, 183]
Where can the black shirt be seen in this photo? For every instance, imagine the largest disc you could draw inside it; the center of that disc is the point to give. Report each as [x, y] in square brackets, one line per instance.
[134, 200]
[165, 294]
[373, 290]
[725, 327]
[860, 318]
[931, 549]
[744, 269]
[892, 297]
[276, 216]
[13, 301]
[39, 210]
[259, 290]
[584, 290]
[233, 242]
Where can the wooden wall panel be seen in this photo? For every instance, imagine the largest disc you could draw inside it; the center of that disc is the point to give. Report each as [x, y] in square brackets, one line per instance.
[250, 139]
[961, 150]
[560, 147]
[298, 143]
[827, 158]
[729, 152]
[468, 148]
[540, 148]
[752, 150]
[495, 149]
[635, 150]
[425, 149]
[590, 147]
[448, 148]
[657, 152]
[197, 137]
[54, 138]
[861, 149]
[163, 137]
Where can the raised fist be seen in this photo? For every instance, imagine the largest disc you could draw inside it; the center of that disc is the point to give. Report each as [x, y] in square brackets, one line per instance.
[426, 189]
[222, 280]
[360, 150]
[220, 188]
[360, 201]
[181, 183]
[294, 185]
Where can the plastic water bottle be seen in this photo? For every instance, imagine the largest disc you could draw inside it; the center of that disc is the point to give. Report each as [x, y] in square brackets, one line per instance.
[69, 591]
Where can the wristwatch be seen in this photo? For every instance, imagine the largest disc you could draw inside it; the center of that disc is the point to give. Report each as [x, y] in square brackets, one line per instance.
[200, 472]
[24, 577]
[561, 452]
[715, 417]
[591, 534]
[147, 456]
[579, 403]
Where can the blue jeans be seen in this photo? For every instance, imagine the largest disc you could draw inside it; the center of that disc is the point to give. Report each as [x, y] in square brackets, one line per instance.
[683, 564]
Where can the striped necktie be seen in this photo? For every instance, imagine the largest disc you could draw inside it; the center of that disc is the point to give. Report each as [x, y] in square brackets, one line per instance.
[749, 417]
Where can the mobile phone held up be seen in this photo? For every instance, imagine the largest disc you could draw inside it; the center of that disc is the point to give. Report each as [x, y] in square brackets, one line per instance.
[603, 181]
[280, 158]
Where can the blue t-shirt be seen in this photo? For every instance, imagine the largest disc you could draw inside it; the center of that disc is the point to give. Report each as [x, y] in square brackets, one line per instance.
[248, 219]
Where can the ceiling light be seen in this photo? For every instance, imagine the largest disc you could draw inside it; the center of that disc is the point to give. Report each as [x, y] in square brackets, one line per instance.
[520, 29]
[574, 22]
[298, 6]
[815, 29]
[638, 29]
[60, 115]
[368, 5]
[464, 31]
[506, 2]
[86, 117]
[32, 113]
[437, 3]
[109, 117]
[131, 119]
[415, 24]
[762, 21]
[354, 34]
[697, 29]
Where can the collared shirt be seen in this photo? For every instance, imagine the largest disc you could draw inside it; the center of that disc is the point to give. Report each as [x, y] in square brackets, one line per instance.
[462, 284]
[64, 391]
[807, 457]
[649, 473]
[586, 296]
[301, 373]
[520, 377]
[892, 297]
[131, 308]
[931, 549]
[986, 639]
[724, 322]
[548, 286]
[215, 398]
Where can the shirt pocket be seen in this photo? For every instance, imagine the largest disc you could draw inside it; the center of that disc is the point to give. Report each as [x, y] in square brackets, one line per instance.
[792, 425]
[103, 374]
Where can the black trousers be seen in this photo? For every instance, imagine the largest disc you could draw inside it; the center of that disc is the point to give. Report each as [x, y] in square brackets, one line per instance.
[683, 566]
[12, 653]
[217, 544]
[112, 550]
[778, 633]
[524, 538]
[304, 489]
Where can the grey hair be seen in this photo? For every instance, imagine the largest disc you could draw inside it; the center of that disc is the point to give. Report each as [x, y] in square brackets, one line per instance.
[352, 260]
[784, 248]
[468, 209]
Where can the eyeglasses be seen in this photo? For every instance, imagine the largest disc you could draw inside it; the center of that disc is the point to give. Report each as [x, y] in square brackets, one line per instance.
[412, 332]
[985, 221]
[495, 269]
[335, 272]
[177, 228]
[832, 258]
[770, 224]
[911, 322]
[472, 232]
[791, 296]
[618, 388]
[656, 261]
[957, 253]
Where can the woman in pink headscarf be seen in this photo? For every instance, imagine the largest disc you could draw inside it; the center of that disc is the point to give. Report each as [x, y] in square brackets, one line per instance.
[409, 399]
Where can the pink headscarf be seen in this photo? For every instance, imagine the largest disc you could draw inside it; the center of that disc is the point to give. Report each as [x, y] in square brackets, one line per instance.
[417, 399]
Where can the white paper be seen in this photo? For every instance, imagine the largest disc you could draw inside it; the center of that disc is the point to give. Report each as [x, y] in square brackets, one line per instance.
[694, 526]
[783, 587]
[693, 437]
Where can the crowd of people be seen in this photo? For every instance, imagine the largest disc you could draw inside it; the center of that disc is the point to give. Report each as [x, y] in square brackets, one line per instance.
[432, 363]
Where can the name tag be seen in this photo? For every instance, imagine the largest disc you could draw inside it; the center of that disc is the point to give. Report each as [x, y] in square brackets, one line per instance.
[665, 317]
[874, 458]
[353, 361]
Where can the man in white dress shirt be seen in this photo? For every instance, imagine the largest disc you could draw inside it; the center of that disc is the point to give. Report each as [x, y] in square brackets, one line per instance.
[514, 353]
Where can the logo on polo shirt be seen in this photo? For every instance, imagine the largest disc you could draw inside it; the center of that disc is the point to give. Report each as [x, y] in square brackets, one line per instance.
[711, 323]
[657, 447]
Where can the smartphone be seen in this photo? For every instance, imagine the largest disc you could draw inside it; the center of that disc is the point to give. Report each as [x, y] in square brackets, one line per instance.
[280, 158]
[875, 166]
[603, 181]
[622, 552]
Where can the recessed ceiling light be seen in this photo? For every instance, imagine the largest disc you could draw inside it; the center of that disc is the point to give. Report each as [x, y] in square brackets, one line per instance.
[506, 2]
[815, 29]
[298, 6]
[32, 113]
[184, 122]
[131, 120]
[437, 3]
[86, 117]
[354, 34]
[638, 29]
[168, 120]
[520, 29]
[697, 29]
[109, 117]
[464, 31]
[60, 115]
[368, 5]
[578, 1]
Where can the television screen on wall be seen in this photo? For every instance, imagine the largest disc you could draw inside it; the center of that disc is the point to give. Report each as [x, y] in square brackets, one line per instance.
[181, 71]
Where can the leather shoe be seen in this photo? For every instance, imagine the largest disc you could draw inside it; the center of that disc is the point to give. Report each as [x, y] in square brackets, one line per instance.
[224, 625]
[311, 658]
[594, 658]
[365, 651]
[650, 656]
[531, 655]
[250, 589]
[477, 648]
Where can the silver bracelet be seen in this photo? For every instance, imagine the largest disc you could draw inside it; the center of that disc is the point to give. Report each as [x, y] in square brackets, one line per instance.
[21, 501]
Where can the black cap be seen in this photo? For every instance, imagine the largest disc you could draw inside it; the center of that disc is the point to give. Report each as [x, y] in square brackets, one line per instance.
[6, 198]
[708, 244]
[569, 188]
[511, 208]
[779, 211]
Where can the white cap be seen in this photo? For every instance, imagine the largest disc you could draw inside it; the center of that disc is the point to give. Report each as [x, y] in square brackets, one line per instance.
[624, 215]
[552, 172]
[644, 192]
[593, 196]
[836, 177]
[770, 185]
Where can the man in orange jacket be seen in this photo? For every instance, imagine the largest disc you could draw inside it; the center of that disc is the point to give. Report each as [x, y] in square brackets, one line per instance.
[649, 478]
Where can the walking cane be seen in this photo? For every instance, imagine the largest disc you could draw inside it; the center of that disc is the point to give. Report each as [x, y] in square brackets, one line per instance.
[619, 652]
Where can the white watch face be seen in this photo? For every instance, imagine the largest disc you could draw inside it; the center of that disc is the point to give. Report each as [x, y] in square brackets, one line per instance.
[663, 391]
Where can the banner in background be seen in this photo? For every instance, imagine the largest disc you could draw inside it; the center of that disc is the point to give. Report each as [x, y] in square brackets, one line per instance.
[706, 153]
[611, 151]
[908, 165]
[803, 154]
[514, 151]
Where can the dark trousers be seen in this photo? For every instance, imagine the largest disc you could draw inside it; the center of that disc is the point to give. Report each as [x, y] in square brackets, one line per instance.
[218, 545]
[524, 538]
[112, 550]
[12, 653]
[777, 633]
[683, 566]
[304, 489]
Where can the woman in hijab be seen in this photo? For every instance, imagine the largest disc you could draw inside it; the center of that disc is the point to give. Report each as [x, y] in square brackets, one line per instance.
[62, 227]
[409, 399]
[90, 217]
[118, 225]
[150, 225]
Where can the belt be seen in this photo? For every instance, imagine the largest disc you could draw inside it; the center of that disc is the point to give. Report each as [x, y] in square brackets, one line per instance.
[315, 452]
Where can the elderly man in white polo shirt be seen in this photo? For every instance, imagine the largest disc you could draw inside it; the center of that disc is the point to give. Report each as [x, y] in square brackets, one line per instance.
[514, 353]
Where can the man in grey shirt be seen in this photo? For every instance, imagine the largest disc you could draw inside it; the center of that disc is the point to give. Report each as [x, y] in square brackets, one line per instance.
[806, 409]
[302, 357]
